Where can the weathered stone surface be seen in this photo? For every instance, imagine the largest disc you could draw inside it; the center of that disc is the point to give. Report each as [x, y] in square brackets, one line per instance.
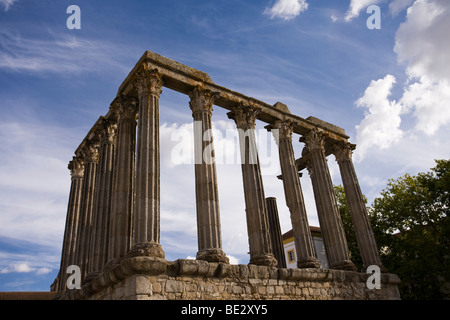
[306, 256]
[327, 211]
[116, 207]
[255, 203]
[150, 280]
[144, 265]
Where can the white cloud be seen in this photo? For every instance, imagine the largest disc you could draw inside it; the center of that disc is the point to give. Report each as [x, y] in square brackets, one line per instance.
[381, 125]
[422, 40]
[233, 260]
[24, 267]
[7, 3]
[43, 270]
[35, 180]
[356, 6]
[422, 44]
[286, 9]
[398, 5]
[430, 102]
[56, 54]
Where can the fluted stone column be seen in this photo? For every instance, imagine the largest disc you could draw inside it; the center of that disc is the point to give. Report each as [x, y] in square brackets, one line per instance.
[147, 212]
[102, 200]
[90, 154]
[207, 196]
[330, 221]
[123, 178]
[255, 203]
[361, 224]
[306, 256]
[76, 167]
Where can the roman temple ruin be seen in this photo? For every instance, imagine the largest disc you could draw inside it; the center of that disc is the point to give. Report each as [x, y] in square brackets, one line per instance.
[112, 231]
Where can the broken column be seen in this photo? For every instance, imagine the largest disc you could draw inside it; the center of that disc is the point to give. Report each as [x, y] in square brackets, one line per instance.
[306, 256]
[255, 203]
[276, 236]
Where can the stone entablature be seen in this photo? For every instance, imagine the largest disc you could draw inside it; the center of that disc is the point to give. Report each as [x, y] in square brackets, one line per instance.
[113, 215]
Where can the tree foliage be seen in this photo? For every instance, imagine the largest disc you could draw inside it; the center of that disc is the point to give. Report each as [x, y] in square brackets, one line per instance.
[412, 229]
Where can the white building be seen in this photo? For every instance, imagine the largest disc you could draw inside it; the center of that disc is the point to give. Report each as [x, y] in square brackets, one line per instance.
[290, 252]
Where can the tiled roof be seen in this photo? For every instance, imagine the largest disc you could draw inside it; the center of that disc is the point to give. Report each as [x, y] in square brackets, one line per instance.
[30, 295]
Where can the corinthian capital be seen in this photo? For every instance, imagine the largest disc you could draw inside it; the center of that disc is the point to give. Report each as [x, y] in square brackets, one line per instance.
[343, 151]
[314, 140]
[285, 129]
[148, 81]
[244, 116]
[125, 107]
[202, 100]
[76, 167]
[90, 151]
[108, 131]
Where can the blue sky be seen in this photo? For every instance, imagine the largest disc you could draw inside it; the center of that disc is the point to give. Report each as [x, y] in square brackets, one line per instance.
[388, 88]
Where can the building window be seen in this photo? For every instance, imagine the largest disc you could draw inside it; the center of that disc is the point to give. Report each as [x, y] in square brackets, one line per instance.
[291, 256]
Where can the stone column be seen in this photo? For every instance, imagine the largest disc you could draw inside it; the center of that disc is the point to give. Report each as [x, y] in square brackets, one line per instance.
[76, 167]
[123, 178]
[330, 221]
[207, 197]
[364, 235]
[90, 154]
[102, 200]
[306, 256]
[255, 201]
[276, 237]
[147, 212]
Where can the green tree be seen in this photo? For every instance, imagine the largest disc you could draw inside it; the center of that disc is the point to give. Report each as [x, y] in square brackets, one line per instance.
[412, 229]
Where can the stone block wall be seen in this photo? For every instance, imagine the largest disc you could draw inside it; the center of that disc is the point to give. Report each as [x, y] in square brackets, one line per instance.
[144, 278]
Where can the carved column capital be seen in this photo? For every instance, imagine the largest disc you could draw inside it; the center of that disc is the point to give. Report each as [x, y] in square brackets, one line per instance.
[148, 81]
[244, 116]
[283, 129]
[125, 108]
[90, 151]
[202, 100]
[343, 151]
[108, 131]
[76, 167]
[314, 140]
